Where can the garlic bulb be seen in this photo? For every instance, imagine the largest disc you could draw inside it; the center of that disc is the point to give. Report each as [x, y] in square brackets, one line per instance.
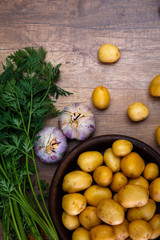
[51, 144]
[77, 121]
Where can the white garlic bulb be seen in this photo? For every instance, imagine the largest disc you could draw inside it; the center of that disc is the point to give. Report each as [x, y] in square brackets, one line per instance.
[77, 121]
[51, 145]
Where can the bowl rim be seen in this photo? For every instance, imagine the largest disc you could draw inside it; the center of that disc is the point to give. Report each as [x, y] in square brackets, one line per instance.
[59, 173]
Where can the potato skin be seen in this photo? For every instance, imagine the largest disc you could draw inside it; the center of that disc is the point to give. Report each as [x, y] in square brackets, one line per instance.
[154, 87]
[90, 160]
[81, 234]
[103, 176]
[102, 232]
[137, 111]
[155, 224]
[154, 189]
[132, 165]
[88, 218]
[101, 97]
[140, 229]
[111, 160]
[95, 193]
[108, 53]
[110, 212]
[145, 213]
[131, 196]
[73, 203]
[122, 147]
[69, 221]
[121, 230]
[76, 181]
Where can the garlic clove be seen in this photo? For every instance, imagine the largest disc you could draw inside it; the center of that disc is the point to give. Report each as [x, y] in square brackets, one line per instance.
[51, 145]
[77, 121]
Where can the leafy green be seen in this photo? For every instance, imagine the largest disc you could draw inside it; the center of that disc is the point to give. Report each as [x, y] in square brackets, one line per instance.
[27, 84]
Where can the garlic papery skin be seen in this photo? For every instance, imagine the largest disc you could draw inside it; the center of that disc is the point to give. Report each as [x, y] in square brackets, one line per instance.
[51, 145]
[77, 121]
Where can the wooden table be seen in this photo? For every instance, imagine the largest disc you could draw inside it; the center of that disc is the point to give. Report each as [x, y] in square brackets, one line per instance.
[72, 32]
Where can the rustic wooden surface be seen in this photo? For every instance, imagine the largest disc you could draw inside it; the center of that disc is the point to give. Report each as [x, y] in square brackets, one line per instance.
[72, 31]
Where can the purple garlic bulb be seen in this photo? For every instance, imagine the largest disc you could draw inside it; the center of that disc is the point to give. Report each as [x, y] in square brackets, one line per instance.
[51, 145]
[77, 121]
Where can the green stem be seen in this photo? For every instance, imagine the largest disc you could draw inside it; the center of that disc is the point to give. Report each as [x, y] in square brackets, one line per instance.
[19, 221]
[14, 220]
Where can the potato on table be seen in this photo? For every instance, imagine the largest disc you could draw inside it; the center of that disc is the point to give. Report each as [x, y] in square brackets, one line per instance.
[137, 111]
[108, 53]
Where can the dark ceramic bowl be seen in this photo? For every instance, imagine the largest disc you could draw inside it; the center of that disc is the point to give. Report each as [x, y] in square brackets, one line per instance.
[69, 163]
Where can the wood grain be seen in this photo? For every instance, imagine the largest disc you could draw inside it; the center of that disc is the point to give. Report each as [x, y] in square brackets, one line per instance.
[71, 32]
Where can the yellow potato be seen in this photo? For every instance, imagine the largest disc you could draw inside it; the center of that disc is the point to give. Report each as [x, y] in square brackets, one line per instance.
[151, 171]
[155, 224]
[140, 230]
[110, 212]
[108, 53]
[137, 111]
[145, 213]
[88, 218]
[132, 165]
[154, 189]
[122, 147]
[102, 232]
[69, 221]
[74, 203]
[101, 97]
[158, 135]
[119, 180]
[76, 181]
[103, 176]
[154, 87]
[81, 234]
[89, 161]
[95, 193]
[141, 181]
[111, 160]
[121, 230]
[131, 196]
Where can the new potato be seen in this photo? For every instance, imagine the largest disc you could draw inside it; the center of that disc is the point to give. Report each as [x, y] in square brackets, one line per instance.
[101, 97]
[103, 175]
[95, 193]
[110, 212]
[154, 87]
[141, 181]
[108, 53]
[119, 180]
[102, 232]
[121, 230]
[122, 147]
[69, 221]
[132, 165]
[76, 181]
[133, 196]
[88, 218]
[89, 161]
[154, 189]
[140, 230]
[151, 171]
[81, 234]
[155, 224]
[73, 203]
[137, 111]
[111, 160]
[145, 213]
[157, 135]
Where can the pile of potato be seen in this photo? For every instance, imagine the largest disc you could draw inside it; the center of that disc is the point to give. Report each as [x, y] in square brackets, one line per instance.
[113, 196]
